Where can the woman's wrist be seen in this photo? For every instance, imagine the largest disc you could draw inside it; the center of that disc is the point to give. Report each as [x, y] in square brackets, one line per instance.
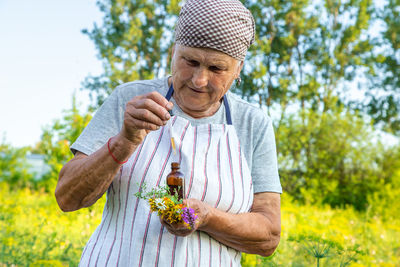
[120, 148]
[206, 217]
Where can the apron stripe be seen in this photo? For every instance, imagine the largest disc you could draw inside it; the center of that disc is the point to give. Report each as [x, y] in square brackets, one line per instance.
[251, 180]
[116, 223]
[220, 257]
[174, 120]
[198, 239]
[127, 197]
[230, 168]
[241, 175]
[193, 161]
[210, 259]
[144, 238]
[181, 143]
[159, 244]
[108, 227]
[219, 176]
[141, 182]
[173, 251]
[101, 228]
[84, 251]
[249, 204]
[134, 163]
[164, 165]
[205, 164]
[186, 256]
[150, 212]
[236, 254]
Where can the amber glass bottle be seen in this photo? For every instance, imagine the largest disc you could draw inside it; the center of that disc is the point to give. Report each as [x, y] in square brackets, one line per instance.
[175, 181]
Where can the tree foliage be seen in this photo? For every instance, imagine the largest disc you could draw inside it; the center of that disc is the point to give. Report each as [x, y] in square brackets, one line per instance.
[384, 94]
[334, 158]
[133, 42]
[306, 51]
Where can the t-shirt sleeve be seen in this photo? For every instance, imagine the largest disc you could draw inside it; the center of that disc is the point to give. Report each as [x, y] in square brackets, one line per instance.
[106, 122]
[265, 166]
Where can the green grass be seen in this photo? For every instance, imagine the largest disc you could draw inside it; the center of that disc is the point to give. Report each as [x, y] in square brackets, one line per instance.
[34, 232]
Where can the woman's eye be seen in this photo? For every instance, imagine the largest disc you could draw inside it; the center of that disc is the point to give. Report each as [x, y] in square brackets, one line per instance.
[215, 69]
[192, 62]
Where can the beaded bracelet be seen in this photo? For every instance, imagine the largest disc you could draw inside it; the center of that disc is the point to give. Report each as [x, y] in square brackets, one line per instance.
[114, 158]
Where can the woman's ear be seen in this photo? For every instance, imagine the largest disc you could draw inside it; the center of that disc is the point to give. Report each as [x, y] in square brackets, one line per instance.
[240, 67]
[171, 62]
[173, 51]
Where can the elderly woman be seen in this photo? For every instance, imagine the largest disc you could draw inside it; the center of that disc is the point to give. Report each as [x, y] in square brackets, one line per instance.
[225, 147]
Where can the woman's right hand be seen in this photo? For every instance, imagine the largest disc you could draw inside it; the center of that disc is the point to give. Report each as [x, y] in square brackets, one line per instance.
[85, 178]
[143, 114]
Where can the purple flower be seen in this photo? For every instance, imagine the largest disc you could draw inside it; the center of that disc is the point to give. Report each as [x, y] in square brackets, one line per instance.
[188, 216]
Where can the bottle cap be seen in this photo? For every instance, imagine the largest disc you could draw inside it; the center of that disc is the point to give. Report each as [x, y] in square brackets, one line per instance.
[175, 165]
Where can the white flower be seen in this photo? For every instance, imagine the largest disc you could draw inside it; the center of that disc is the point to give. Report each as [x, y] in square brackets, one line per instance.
[159, 202]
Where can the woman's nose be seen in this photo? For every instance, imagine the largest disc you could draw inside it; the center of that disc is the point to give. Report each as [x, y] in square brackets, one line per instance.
[200, 78]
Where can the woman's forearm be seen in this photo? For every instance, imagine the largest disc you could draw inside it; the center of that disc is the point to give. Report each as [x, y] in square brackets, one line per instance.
[255, 232]
[84, 179]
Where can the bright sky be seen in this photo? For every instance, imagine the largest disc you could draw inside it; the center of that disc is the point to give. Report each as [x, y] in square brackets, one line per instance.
[44, 57]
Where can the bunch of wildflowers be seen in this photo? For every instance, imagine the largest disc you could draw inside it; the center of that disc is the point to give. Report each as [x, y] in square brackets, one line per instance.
[168, 206]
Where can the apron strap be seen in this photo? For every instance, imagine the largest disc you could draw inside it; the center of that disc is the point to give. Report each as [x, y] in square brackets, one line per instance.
[226, 104]
[227, 111]
[170, 92]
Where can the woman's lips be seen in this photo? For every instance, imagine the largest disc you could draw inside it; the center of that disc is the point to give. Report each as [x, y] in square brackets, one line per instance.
[197, 91]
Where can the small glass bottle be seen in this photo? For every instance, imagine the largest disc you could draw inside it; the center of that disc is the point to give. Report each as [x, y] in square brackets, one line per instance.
[175, 181]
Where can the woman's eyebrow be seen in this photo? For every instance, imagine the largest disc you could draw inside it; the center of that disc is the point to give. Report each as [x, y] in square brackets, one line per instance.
[214, 62]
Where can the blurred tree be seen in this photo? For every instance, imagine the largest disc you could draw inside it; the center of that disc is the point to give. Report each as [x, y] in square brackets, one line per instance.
[306, 51]
[133, 42]
[56, 140]
[384, 97]
[333, 158]
[13, 168]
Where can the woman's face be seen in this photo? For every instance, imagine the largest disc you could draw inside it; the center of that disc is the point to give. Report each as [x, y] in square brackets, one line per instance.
[201, 77]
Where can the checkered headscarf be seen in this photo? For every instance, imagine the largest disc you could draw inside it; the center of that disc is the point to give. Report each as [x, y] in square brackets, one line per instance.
[224, 25]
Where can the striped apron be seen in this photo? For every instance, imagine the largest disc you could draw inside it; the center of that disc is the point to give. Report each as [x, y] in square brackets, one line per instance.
[215, 172]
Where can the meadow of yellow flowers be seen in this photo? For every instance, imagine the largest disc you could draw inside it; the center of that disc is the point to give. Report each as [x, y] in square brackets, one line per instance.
[34, 232]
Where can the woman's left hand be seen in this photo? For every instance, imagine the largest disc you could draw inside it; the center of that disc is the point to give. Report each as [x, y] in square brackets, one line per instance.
[255, 232]
[200, 208]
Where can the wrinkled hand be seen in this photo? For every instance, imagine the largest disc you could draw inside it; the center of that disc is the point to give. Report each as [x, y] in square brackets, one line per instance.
[143, 114]
[200, 208]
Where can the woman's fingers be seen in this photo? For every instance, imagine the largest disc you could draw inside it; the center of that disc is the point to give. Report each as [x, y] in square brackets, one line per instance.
[143, 119]
[201, 209]
[156, 104]
[145, 113]
[176, 229]
[152, 108]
